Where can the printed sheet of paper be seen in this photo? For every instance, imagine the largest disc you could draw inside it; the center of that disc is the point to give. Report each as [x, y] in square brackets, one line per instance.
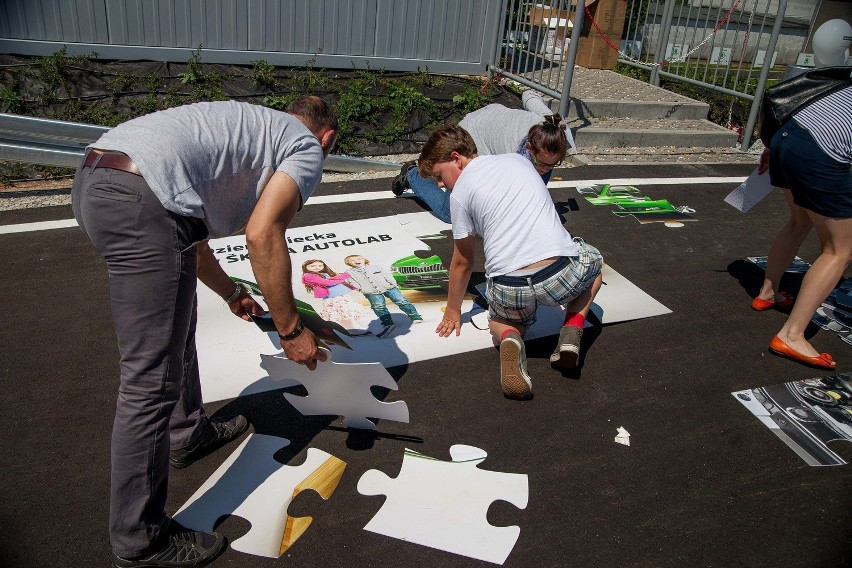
[230, 349]
[807, 415]
[750, 192]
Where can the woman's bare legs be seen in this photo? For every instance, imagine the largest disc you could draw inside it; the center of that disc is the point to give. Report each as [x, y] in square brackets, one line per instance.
[835, 237]
[784, 249]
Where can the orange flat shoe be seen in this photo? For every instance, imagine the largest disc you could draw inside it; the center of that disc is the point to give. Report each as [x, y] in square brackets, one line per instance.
[761, 305]
[824, 361]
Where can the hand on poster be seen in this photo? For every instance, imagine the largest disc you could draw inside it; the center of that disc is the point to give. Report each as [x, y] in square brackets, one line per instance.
[245, 306]
[304, 349]
[449, 323]
[461, 267]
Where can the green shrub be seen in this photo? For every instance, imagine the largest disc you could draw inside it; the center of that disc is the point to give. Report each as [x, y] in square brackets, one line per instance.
[470, 100]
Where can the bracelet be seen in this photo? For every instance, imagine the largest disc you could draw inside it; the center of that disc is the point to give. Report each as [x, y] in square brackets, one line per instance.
[237, 291]
[293, 334]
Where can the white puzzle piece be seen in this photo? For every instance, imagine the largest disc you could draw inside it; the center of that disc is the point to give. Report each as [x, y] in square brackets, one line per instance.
[252, 485]
[444, 504]
[339, 389]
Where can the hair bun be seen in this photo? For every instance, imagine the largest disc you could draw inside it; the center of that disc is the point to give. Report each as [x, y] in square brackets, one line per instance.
[552, 119]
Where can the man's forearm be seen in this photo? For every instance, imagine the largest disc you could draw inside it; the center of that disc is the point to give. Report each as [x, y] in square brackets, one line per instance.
[270, 261]
[210, 272]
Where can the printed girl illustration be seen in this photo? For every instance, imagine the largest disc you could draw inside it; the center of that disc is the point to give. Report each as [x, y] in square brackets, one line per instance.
[333, 289]
[377, 283]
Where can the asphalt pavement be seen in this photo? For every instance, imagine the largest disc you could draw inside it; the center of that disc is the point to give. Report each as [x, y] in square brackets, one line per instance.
[703, 482]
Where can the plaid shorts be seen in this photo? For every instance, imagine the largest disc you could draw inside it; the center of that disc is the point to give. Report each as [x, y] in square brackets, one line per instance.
[516, 298]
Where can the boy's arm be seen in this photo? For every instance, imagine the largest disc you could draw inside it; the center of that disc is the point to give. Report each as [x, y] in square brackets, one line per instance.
[460, 268]
[388, 276]
[353, 281]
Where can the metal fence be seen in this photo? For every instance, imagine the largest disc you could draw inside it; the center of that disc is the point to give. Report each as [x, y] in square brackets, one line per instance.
[725, 45]
[445, 36]
[539, 44]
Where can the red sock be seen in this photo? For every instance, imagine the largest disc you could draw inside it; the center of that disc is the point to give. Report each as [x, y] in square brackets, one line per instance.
[574, 319]
[507, 332]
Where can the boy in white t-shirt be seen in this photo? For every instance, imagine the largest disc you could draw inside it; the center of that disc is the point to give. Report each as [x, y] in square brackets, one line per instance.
[530, 258]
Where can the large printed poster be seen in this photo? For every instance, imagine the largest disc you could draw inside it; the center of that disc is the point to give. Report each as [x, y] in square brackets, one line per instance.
[395, 254]
[806, 414]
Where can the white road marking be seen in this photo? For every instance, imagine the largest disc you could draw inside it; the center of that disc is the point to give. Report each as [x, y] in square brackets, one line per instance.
[41, 226]
[379, 195]
[647, 181]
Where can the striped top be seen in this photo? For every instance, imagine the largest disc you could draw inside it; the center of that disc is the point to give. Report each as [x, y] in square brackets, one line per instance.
[829, 120]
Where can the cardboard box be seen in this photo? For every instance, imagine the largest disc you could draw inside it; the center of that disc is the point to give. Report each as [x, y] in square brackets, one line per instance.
[593, 52]
[551, 29]
[539, 13]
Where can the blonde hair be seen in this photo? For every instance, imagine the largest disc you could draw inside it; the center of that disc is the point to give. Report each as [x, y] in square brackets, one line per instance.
[346, 260]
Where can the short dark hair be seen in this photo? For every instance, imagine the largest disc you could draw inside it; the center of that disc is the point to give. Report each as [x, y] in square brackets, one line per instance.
[315, 111]
[441, 143]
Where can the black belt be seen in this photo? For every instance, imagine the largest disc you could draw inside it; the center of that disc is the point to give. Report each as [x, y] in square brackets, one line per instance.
[543, 274]
[113, 160]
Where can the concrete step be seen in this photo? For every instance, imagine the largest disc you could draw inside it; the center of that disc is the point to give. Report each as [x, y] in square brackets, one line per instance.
[595, 155]
[686, 109]
[597, 93]
[633, 132]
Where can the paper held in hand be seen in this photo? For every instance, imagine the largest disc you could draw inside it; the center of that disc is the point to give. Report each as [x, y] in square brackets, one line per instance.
[750, 192]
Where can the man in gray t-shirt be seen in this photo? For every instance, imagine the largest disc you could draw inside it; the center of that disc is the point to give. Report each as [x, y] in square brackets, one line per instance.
[148, 195]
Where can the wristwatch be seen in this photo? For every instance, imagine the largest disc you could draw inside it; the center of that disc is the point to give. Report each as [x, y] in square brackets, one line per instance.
[237, 291]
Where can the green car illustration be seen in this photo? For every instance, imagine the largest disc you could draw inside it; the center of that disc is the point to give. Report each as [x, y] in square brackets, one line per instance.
[420, 271]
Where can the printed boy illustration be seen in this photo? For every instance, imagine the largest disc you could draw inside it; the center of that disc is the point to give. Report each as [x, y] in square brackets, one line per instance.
[377, 283]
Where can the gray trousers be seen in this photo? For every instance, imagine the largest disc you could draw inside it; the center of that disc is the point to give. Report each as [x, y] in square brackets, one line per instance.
[151, 258]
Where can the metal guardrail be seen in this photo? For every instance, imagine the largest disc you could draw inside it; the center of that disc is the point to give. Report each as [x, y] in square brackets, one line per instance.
[59, 143]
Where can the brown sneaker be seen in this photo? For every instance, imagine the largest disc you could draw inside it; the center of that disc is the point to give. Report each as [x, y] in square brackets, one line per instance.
[567, 351]
[514, 379]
